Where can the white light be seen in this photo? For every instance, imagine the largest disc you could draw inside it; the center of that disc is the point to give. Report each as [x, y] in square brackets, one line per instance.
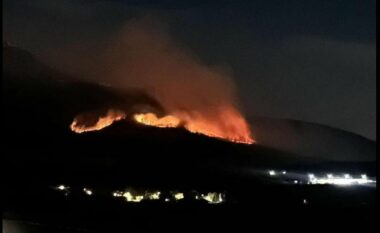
[272, 173]
[178, 196]
[345, 181]
[341, 181]
[364, 176]
[117, 194]
[296, 181]
[87, 191]
[311, 176]
[329, 176]
[62, 187]
[304, 201]
[283, 172]
[167, 199]
[347, 176]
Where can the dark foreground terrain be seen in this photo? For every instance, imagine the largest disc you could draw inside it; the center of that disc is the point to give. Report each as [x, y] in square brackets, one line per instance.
[40, 209]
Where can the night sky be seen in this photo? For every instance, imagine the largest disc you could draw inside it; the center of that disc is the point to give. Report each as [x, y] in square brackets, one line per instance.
[307, 60]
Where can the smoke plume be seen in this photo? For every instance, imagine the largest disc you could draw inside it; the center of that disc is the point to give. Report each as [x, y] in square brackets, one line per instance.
[143, 56]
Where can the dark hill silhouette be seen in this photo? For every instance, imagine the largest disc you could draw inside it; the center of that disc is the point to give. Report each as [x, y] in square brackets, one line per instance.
[312, 140]
[40, 103]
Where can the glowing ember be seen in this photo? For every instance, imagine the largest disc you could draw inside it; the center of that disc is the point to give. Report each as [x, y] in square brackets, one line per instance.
[79, 124]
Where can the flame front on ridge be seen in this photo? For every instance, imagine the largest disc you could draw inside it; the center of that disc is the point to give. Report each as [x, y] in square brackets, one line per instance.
[79, 125]
[232, 128]
[230, 125]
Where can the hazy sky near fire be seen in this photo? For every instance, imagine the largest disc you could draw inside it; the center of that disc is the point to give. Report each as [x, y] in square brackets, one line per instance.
[306, 60]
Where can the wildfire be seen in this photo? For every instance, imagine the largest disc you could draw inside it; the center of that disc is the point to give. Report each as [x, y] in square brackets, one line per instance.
[232, 127]
[152, 120]
[198, 97]
[229, 125]
[79, 124]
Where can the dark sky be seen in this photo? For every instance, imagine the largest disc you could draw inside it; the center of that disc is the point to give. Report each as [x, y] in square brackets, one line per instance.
[307, 60]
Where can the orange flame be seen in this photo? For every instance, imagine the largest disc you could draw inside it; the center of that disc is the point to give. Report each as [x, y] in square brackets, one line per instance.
[229, 125]
[233, 127]
[79, 124]
[152, 120]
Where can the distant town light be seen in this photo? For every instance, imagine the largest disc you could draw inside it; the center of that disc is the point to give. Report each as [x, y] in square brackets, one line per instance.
[117, 194]
[213, 198]
[87, 191]
[283, 172]
[132, 198]
[344, 180]
[178, 196]
[153, 196]
[62, 187]
[272, 173]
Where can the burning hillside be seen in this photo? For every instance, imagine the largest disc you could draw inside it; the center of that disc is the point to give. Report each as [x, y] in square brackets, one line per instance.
[86, 122]
[225, 130]
[234, 128]
[198, 97]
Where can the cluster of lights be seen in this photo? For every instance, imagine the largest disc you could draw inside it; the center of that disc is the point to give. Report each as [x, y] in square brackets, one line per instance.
[87, 191]
[117, 194]
[154, 196]
[66, 189]
[147, 196]
[137, 197]
[212, 198]
[133, 198]
[346, 179]
[274, 173]
[63, 188]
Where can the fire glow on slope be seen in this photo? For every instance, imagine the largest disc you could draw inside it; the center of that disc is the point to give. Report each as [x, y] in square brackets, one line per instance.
[233, 127]
[201, 98]
[79, 124]
[152, 120]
